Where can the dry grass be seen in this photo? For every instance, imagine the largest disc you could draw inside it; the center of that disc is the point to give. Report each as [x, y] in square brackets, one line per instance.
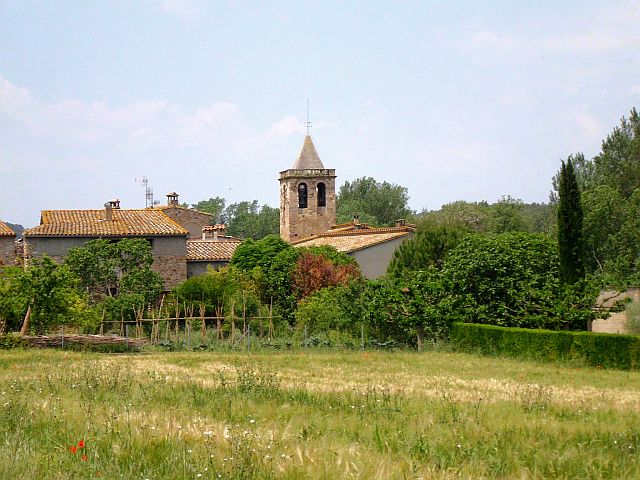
[313, 415]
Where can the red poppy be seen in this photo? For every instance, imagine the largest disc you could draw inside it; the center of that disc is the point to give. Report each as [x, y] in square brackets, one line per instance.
[84, 458]
[81, 444]
[73, 449]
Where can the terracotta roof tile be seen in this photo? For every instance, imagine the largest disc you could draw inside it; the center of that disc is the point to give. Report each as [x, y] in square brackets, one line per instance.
[209, 250]
[178, 207]
[92, 223]
[354, 240]
[5, 231]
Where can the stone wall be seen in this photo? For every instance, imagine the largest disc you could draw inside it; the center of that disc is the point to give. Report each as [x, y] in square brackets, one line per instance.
[7, 250]
[199, 268]
[298, 223]
[192, 220]
[170, 260]
[616, 323]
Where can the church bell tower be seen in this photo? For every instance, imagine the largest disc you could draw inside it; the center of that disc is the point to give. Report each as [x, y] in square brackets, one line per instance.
[307, 196]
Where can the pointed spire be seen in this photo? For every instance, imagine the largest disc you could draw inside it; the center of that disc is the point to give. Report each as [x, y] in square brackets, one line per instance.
[308, 158]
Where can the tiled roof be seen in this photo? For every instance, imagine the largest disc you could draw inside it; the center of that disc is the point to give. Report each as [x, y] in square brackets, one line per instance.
[92, 223]
[179, 207]
[209, 250]
[5, 231]
[354, 240]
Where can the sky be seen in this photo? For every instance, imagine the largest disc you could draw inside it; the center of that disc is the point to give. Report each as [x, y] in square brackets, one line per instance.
[457, 100]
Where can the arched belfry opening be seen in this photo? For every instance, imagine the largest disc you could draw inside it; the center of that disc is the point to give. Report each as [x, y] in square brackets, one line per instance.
[322, 194]
[307, 196]
[302, 195]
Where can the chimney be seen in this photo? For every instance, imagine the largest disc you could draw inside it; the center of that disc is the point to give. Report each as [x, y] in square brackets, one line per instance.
[108, 211]
[401, 222]
[172, 199]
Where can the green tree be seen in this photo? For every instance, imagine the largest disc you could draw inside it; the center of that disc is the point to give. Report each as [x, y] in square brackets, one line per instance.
[473, 216]
[108, 269]
[508, 279]
[214, 206]
[507, 215]
[410, 310]
[610, 188]
[380, 203]
[116, 275]
[258, 253]
[570, 239]
[249, 220]
[427, 248]
[49, 295]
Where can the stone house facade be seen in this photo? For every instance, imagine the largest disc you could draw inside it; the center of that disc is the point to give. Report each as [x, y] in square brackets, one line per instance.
[61, 230]
[7, 245]
[192, 220]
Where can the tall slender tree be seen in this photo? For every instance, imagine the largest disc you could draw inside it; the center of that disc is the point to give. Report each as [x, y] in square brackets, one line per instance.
[570, 239]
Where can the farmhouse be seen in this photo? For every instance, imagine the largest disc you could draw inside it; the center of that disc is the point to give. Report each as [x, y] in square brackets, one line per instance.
[183, 241]
[61, 230]
[308, 216]
[7, 245]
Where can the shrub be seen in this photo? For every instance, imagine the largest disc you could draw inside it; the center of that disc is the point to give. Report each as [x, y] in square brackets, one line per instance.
[595, 349]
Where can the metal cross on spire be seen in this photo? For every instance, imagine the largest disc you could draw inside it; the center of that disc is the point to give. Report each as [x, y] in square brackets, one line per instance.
[308, 124]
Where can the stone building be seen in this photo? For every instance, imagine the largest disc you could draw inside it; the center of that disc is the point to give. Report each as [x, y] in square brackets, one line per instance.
[192, 220]
[7, 245]
[308, 216]
[61, 230]
[307, 196]
[371, 247]
[213, 250]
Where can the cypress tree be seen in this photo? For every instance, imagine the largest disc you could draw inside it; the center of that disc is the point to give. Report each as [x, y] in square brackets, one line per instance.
[570, 240]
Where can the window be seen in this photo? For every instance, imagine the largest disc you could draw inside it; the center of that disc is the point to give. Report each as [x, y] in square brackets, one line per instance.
[322, 195]
[302, 195]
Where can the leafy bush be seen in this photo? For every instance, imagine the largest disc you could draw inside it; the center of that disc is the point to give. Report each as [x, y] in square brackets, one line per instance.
[409, 310]
[595, 349]
[511, 280]
[329, 310]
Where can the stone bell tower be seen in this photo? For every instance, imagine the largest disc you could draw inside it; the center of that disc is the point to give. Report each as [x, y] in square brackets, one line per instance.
[307, 196]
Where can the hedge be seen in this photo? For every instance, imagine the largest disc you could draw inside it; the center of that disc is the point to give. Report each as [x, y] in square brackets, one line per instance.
[595, 349]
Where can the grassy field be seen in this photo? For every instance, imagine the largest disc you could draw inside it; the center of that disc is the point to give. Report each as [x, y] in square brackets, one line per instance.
[309, 414]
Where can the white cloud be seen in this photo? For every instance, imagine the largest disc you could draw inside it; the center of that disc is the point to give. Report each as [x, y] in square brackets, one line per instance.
[285, 127]
[183, 9]
[12, 98]
[593, 31]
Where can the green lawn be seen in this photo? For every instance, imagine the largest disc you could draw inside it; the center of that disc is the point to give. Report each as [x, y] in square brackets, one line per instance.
[309, 414]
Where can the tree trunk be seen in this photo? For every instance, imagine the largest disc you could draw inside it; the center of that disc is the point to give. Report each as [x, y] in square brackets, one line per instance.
[25, 324]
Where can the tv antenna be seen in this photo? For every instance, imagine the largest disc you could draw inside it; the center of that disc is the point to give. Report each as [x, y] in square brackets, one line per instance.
[148, 191]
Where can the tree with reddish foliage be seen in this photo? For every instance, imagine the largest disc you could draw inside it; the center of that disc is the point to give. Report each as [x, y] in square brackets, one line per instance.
[313, 272]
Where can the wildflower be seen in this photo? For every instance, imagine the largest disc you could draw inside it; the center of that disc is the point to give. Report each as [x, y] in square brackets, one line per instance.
[73, 449]
[81, 444]
[84, 458]
[252, 421]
